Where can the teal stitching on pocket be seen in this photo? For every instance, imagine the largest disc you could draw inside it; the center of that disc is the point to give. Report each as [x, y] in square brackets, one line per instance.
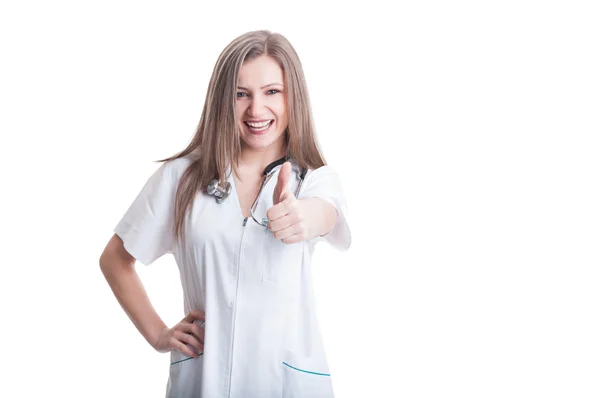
[187, 359]
[306, 371]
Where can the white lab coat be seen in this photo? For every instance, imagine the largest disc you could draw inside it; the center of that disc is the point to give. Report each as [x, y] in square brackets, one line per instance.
[262, 336]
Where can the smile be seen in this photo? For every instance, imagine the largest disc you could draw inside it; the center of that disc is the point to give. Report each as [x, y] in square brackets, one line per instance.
[259, 128]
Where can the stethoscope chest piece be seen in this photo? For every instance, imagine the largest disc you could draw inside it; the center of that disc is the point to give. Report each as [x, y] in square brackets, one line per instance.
[219, 191]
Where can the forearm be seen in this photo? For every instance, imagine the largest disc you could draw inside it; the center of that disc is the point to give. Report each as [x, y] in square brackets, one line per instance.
[323, 216]
[131, 295]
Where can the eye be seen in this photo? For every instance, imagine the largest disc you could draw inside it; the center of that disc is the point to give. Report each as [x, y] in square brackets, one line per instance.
[275, 91]
[240, 94]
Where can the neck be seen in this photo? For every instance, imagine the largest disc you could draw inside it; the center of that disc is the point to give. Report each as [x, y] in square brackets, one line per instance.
[258, 159]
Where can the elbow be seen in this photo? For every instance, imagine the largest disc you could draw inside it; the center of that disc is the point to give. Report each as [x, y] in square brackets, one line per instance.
[114, 268]
[106, 265]
[115, 258]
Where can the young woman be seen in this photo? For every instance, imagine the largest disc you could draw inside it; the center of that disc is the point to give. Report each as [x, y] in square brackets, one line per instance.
[240, 209]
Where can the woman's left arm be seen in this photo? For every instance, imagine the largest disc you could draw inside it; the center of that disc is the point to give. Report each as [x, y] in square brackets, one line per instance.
[295, 220]
[320, 216]
[313, 216]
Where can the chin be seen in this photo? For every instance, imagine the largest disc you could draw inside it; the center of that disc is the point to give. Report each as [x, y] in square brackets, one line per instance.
[260, 142]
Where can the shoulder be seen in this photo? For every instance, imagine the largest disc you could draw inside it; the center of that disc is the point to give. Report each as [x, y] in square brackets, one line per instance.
[323, 172]
[175, 168]
[323, 181]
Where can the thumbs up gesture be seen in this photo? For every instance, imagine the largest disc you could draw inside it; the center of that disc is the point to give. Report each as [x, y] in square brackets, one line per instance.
[288, 215]
[282, 192]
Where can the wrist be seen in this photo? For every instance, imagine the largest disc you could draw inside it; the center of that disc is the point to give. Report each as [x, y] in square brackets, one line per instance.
[153, 336]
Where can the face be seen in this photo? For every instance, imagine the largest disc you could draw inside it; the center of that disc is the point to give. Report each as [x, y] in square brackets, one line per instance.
[261, 104]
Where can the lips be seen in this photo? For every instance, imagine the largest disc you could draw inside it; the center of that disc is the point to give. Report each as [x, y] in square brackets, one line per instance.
[258, 123]
[259, 127]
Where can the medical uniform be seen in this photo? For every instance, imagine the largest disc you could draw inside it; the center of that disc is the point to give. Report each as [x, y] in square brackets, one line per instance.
[262, 335]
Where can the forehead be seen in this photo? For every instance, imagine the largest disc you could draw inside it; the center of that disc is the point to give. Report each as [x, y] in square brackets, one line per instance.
[260, 71]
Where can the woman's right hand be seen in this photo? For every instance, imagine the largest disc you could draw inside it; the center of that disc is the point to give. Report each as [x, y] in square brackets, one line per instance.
[179, 336]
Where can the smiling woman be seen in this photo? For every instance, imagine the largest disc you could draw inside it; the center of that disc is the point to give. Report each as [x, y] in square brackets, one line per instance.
[261, 106]
[251, 328]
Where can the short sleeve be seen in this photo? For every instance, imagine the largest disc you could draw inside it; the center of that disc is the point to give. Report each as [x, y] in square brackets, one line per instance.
[147, 226]
[324, 183]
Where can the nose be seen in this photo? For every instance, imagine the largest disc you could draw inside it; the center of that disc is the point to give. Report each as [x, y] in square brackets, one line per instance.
[256, 107]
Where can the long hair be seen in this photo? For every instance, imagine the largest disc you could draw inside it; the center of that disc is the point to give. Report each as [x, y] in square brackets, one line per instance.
[217, 141]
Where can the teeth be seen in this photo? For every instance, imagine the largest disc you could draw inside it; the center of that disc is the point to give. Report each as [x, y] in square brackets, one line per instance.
[258, 125]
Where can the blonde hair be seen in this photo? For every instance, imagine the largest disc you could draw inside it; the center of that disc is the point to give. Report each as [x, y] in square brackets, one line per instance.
[217, 139]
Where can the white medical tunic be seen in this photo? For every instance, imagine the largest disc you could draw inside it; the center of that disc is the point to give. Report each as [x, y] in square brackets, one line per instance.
[262, 335]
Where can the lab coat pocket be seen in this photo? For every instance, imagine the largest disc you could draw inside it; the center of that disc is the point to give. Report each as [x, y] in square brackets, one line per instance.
[185, 375]
[305, 377]
[281, 260]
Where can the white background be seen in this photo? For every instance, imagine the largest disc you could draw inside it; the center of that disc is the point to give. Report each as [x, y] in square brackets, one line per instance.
[466, 137]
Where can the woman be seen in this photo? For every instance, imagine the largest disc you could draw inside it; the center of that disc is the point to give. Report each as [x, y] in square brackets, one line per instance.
[244, 259]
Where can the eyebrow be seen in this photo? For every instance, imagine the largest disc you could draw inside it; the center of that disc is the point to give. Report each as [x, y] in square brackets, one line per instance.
[271, 84]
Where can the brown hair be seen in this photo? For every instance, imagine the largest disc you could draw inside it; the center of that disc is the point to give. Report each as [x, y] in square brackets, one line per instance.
[217, 139]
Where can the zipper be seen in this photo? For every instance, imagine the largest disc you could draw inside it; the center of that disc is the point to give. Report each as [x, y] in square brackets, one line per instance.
[234, 304]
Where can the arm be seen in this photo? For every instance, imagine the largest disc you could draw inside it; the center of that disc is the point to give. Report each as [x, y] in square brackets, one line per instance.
[144, 234]
[319, 213]
[321, 216]
[118, 267]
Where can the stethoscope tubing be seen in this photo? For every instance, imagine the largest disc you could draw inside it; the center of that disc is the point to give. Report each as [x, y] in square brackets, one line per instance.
[265, 221]
[222, 191]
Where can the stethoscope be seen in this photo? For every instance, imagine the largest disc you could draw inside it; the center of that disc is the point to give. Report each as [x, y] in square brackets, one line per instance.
[222, 190]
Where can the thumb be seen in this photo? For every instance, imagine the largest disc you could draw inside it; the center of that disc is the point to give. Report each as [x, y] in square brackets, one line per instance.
[280, 192]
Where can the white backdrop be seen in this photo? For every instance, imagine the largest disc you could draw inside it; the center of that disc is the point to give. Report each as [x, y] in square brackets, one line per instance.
[466, 137]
